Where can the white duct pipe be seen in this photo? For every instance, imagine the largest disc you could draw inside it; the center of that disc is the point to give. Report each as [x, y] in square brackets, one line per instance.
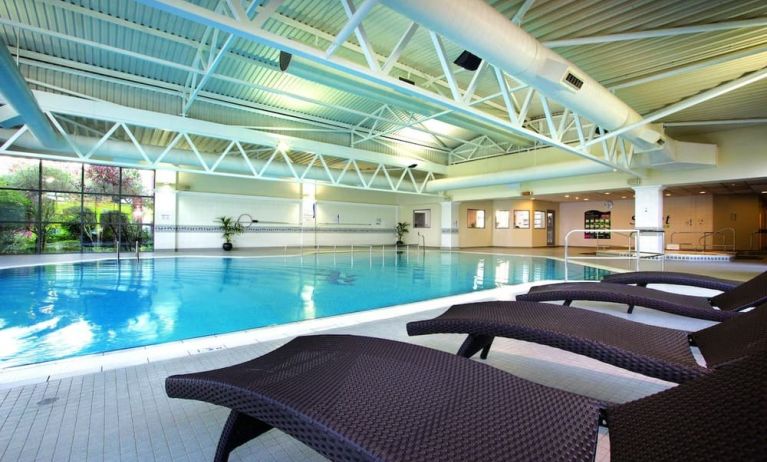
[539, 172]
[488, 34]
[121, 151]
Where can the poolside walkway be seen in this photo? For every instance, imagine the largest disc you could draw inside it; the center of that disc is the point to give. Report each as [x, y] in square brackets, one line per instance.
[124, 414]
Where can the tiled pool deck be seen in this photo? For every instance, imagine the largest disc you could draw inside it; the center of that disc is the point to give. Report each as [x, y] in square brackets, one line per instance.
[122, 413]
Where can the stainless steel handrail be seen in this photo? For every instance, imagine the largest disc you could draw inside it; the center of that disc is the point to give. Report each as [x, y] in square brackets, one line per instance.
[637, 254]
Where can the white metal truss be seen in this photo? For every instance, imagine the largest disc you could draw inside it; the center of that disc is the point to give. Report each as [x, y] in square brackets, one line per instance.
[380, 173]
[603, 154]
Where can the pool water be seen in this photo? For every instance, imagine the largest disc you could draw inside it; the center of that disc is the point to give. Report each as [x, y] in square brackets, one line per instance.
[58, 311]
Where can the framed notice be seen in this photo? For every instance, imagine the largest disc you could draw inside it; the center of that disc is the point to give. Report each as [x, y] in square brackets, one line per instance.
[521, 219]
[539, 219]
[596, 220]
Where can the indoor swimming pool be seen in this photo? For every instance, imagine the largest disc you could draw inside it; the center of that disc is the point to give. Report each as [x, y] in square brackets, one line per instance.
[57, 311]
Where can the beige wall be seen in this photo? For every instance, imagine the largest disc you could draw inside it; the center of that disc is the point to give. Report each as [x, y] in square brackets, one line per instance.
[571, 216]
[689, 217]
[744, 213]
[475, 237]
[530, 237]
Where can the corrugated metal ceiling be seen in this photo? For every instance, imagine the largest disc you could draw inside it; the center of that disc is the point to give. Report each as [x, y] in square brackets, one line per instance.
[161, 37]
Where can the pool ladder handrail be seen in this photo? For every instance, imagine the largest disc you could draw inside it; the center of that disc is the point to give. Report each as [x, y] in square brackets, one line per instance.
[637, 255]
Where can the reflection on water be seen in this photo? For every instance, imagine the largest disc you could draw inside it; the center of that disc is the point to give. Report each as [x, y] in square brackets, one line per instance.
[51, 312]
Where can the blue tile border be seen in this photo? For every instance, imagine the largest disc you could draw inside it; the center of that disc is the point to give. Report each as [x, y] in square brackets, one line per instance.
[270, 229]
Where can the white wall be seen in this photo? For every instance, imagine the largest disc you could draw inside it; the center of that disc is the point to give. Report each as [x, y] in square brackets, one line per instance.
[432, 234]
[571, 216]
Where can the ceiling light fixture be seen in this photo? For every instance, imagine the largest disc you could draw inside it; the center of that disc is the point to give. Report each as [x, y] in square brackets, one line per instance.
[702, 192]
[567, 195]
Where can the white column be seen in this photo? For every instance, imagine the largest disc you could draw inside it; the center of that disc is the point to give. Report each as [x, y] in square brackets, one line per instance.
[449, 224]
[648, 214]
[165, 211]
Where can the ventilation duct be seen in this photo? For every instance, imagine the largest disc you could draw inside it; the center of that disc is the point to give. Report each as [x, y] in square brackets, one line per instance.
[539, 172]
[121, 151]
[484, 31]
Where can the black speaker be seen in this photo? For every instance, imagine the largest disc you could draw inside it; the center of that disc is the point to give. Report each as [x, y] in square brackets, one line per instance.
[468, 61]
[285, 60]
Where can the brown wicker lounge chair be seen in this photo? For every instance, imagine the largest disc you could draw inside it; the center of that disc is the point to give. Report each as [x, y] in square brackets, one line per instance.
[723, 306]
[654, 351]
[357, 398]
[642, 278]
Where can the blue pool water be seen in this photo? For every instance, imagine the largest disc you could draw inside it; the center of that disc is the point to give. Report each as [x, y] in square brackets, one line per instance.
[57, 311]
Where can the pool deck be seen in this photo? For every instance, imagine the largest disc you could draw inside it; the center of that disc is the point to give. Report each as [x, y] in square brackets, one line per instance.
[116, 412]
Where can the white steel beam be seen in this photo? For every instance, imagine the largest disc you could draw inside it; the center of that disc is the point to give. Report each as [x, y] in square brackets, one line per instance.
[399, 47]
[101, 110]
[667, 32]
[355, 19]
[519, 16]
[207, 17]
[687, 103]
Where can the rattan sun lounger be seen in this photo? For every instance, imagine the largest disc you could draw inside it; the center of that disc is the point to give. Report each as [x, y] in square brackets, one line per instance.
[357, 398]
[642, 278]
[654, 351]
[750, 293]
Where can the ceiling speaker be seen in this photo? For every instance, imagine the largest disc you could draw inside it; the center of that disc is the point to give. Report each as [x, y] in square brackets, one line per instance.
[285, 60]
[468, 61]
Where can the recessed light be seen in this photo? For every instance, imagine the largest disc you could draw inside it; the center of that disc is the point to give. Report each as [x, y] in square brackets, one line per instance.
[668, 194]
[607, 194]
[764, 192]
[576, 197]
[585, 198]
[623, 197]
[702, 192]
[567, 195]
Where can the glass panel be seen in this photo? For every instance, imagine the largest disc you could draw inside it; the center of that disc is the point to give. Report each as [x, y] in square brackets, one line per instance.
[61, 237]
[62, 176]
[136, 232]
[522, 219]
[16, 205]
[501, 219]
[476, 218]
[138, 182]
[61, 207]
[539, 219]
[19, 173]
[16, 238]
[422, 218]
[102, 179]
[95, 205]
[138, 209]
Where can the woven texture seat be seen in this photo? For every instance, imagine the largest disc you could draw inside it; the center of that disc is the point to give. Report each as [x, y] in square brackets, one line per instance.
[357, 398]
[683, 305]
[642, 278]
[721, 417]
[650, 350]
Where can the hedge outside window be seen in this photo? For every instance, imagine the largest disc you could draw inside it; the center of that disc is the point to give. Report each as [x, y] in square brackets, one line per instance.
[54, 207]
[501, 219]
[476, 218]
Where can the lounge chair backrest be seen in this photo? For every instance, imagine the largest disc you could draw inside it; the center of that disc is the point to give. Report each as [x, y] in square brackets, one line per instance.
[719, 417]
[750, 293]
[734, 338]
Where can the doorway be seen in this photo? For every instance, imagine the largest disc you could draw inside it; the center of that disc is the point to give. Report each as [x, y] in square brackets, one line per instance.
[550, 228]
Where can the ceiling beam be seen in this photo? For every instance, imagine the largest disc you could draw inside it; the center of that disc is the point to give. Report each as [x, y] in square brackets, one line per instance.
[667, 32]
[699, 123]
[209, 18]
[687, 103]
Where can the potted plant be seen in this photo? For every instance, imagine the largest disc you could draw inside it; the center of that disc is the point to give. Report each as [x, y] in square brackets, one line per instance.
[401, 230]
[229, 228]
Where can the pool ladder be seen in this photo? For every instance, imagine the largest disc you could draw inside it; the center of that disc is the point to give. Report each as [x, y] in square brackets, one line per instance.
[138, 250]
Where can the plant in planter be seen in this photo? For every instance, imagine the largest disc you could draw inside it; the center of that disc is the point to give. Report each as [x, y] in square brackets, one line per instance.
[229, 228]
[401, 230]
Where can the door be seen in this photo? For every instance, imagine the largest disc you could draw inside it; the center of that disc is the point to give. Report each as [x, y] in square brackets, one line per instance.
[550, 228]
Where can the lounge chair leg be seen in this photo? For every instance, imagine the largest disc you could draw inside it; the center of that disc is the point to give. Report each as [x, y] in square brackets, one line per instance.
[474, 343]
[631, 309]
[567, 303]
[238, 430]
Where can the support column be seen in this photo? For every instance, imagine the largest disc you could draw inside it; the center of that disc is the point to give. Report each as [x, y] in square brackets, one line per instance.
[165, 225]
[449, 224]
[648, 215]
